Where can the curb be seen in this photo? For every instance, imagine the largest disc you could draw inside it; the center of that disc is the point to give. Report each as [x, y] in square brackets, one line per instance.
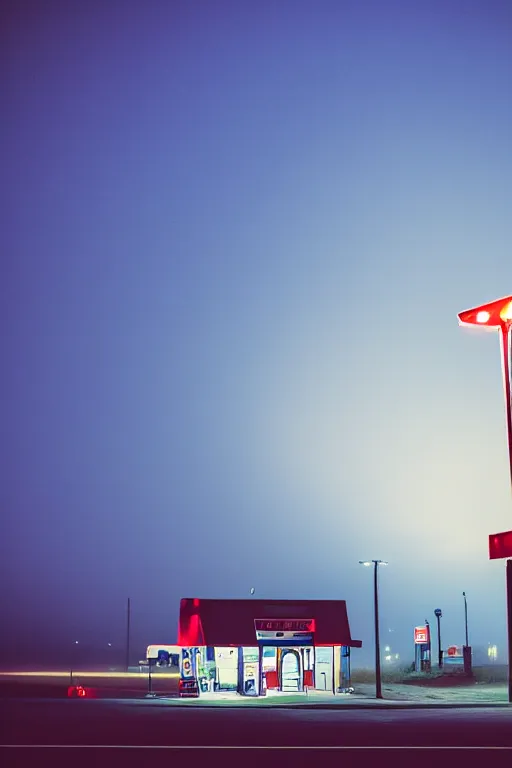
[163, 701]
[391, 704]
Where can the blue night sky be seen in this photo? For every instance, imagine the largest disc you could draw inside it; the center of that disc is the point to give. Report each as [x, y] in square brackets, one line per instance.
[236, 237]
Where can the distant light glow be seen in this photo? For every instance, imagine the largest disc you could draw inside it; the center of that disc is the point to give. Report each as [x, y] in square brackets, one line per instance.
[483, 317]
[364, 562]
[492, 652]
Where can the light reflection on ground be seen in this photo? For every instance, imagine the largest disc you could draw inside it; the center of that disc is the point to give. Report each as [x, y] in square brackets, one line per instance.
[88, 674]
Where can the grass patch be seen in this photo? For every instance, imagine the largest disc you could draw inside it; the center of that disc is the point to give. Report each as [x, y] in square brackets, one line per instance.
[497, 673]
[404, 676]
[493, 673]
[367, 675]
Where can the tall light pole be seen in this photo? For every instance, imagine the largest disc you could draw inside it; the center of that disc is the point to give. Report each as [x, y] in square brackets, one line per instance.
[128, 621]
[466, 617]
[438, 613]
[497, 315]
[376, 563]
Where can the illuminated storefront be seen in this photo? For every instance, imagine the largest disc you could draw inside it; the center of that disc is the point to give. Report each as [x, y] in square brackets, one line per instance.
[251, 646]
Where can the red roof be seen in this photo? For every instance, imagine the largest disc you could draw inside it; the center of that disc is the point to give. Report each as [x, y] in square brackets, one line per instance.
[231, 622]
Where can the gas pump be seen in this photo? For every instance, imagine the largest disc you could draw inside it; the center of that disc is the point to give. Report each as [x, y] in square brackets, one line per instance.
[188, 685]
[422, 648]
[249, 658]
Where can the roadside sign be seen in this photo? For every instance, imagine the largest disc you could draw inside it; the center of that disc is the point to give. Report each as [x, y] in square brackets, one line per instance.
[500, 545]
[454, 655]
[420, 635]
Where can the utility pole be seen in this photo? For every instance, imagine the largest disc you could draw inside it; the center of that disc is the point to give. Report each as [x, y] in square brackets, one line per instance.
[498, 315]
[128, 617]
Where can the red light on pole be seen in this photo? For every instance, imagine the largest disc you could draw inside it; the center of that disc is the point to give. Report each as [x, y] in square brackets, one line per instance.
[492, 315]
[498, 315]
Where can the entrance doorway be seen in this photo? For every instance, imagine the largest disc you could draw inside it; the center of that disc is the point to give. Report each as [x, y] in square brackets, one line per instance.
[291, 673]
[324, 669]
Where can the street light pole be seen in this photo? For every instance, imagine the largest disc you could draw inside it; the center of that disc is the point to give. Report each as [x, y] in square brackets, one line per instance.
[378, 680]
[466, 617]
[498, 315]
[378, 676]
[438, 613]
[506, 354]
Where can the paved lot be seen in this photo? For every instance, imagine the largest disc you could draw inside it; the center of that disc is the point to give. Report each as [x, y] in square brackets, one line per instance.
[148, 732]
[108, 684]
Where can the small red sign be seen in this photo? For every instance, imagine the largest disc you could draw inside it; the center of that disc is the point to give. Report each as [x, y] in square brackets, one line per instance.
[500, 545]
[420, 635]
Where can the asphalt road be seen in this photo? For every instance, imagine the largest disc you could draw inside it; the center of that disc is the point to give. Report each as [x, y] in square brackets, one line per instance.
[146, 733]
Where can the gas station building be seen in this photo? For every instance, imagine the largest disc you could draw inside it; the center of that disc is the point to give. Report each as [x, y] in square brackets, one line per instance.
[251, 646]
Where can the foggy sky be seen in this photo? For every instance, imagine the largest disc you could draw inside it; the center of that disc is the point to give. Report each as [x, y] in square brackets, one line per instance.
[236, 237]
